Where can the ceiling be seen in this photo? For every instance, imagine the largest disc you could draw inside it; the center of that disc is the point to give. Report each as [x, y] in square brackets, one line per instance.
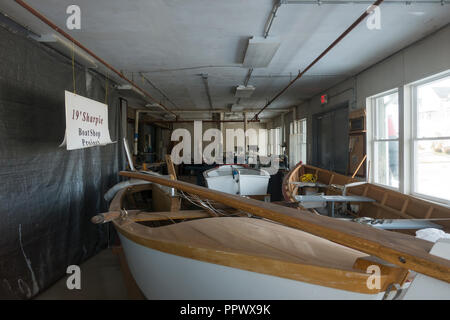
[173, 42]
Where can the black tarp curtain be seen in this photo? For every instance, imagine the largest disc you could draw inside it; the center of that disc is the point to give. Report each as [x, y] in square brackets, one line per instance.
[48, 194]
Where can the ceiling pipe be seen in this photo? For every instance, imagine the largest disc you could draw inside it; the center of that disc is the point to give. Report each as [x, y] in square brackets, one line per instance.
[305, 76]
[215, 110]
[272, 16]
[331, 46]
[208, 93]
[407, 3]
[217, 121]
[157, 89]
[247, 79]
[44, 19]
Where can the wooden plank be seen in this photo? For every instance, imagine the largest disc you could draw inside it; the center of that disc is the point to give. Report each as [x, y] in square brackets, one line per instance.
[393, 274]
[400, 249]
[394, 211]
[164, 201]
[405, 206]
[331, 179]
[429, 212]
[170, 167]
[383, 202]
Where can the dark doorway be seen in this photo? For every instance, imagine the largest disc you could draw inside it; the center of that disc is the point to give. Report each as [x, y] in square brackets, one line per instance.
[330, 139]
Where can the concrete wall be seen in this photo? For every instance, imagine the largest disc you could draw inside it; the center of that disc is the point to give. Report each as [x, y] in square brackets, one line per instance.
[424, 58]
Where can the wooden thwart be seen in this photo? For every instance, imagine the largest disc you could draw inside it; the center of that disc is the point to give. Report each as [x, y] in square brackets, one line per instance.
[405, 251]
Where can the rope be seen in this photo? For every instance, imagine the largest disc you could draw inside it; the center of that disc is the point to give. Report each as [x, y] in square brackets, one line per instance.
[73, 67]
[106, 88]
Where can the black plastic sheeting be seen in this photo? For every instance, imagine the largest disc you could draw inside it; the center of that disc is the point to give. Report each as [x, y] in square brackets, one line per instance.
[48, 194]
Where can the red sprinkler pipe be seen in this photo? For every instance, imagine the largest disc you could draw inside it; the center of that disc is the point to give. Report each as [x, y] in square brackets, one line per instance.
[214, 121]
[331, 46]
[68, 37]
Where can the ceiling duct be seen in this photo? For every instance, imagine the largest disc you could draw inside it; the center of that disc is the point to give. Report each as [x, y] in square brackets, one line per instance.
[260, 51]
[244, 91]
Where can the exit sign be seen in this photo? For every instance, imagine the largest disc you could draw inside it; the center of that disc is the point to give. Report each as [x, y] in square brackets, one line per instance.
[324, 99]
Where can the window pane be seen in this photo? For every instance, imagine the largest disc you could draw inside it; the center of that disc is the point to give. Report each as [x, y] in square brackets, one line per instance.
[386, 116]
[433, 168]
[433, 109]
[303, 130]
[386, 163]
[303, 152]
[262, 142]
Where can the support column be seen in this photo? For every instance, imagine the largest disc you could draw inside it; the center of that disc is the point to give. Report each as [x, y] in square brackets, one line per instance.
[245, 130]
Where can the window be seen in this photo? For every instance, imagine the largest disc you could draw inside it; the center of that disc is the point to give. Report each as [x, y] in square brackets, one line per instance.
[297, 142]
[262, 142]
[385, 138]
[431, 138]
[408, 138]
[274, 146]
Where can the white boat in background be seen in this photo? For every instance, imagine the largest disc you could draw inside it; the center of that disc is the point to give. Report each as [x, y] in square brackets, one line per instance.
[235, 179]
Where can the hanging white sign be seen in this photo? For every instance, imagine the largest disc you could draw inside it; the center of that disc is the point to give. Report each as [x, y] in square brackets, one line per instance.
[86, 123]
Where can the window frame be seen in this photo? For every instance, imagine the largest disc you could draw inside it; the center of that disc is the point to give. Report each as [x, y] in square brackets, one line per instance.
[372, 130]
[415, 139]
[298, 133]
[274, 141]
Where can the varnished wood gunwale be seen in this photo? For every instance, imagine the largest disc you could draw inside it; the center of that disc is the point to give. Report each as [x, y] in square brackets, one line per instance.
[339, 278]
[141, 216]
[405, 251]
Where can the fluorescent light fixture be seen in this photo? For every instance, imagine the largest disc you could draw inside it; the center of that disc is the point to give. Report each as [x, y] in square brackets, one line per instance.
[130, 88]
[65, 46]
[244, 91]
[260, 51]
[237, 107]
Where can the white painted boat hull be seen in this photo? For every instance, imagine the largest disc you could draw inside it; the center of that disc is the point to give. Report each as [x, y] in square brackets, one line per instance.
[245, 182]
[160, 275]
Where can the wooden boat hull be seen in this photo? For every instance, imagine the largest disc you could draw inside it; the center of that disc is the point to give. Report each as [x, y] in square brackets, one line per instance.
[161, 275]
[389, 204]
[234, 257]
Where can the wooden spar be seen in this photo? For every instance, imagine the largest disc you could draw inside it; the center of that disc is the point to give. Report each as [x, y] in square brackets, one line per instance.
[171, 167]
[400, 249]
[359, 166]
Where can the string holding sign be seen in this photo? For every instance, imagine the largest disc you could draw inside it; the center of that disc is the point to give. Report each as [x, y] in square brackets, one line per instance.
[86, 123]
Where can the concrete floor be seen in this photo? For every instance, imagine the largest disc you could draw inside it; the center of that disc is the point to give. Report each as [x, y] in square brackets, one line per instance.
[101, 279]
